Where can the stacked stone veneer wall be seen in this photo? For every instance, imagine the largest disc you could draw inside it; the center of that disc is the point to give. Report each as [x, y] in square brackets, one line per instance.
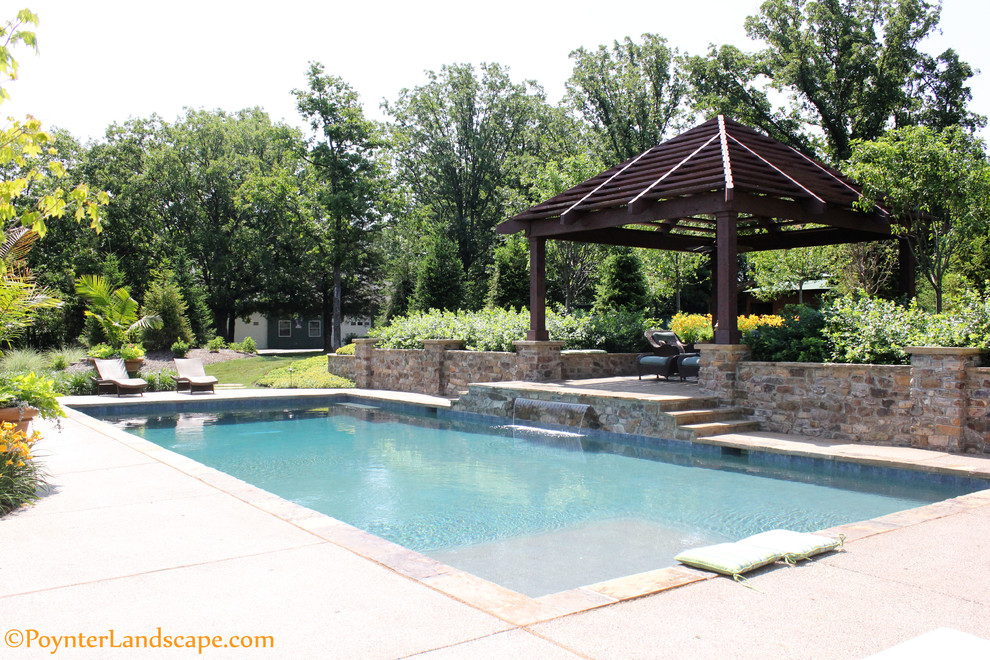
[939, 401]
[443, 367]
[871, 403]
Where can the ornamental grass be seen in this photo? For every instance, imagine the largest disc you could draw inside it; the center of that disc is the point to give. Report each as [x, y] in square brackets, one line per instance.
[20, 477]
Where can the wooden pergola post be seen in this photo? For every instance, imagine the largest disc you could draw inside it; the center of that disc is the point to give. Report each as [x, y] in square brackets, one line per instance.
[726, 305]
[537, 290]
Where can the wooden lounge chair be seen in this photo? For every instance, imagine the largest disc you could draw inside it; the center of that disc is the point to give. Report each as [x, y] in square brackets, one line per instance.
[668, 354]
[192, 377]
[113, 378]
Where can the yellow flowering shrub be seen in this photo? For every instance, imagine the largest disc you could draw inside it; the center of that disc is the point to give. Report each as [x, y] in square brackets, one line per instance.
[697, 328]
[19, 475]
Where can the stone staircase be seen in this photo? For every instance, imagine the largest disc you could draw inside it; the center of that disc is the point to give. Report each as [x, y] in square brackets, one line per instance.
[708, 422]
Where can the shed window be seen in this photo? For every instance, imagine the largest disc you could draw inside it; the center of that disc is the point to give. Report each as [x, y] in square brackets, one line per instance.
[285, 328]
[314, 328]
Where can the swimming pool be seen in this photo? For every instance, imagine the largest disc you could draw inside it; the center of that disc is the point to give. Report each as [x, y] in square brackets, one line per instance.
[536, 511]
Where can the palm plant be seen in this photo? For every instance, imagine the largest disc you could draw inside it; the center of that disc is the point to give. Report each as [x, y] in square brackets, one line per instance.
[20, 297]
[114, 310]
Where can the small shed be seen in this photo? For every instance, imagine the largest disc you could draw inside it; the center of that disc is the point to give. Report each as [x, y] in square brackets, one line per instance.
[720, 188]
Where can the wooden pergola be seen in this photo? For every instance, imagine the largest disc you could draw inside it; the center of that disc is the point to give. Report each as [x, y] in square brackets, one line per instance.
[719, 188]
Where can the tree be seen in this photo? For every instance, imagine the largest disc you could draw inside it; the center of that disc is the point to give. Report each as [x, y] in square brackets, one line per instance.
[509, 285]
[343, 181]
[631, 95]
[21, 145]
[440, 279]
[458, 142]
[669, 273]
[20, 298]
[164, 300]
[778, 272]
[937, 183]
[622, 285]
[852, 69]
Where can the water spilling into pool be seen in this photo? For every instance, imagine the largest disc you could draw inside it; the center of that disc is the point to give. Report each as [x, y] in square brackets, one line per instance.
[535, 511]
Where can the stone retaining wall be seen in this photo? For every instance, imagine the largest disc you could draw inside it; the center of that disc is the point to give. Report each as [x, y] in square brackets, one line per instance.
[871, 403]
[939, 401]
[443, 367]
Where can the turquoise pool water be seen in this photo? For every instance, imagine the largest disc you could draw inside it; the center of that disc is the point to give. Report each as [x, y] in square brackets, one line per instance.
[536, 511]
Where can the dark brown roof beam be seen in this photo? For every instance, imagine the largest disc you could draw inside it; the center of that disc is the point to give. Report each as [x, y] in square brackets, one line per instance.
[836, 217]
[807, 238]
[642, 239]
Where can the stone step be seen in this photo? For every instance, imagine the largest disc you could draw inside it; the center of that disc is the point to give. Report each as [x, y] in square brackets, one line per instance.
[706, 430]
[705, 415]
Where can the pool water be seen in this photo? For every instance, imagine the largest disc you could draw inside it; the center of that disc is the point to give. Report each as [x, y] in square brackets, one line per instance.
[536, 511]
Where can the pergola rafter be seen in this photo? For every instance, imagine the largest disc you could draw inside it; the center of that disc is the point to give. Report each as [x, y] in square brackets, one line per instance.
[719, 188]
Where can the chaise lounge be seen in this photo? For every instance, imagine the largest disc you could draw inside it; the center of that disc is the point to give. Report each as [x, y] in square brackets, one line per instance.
[192, 376]
[669, 357]
[113, 379]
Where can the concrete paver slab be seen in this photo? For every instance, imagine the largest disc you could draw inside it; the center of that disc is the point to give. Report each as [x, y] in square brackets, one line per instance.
[511, 644]
[315, 602]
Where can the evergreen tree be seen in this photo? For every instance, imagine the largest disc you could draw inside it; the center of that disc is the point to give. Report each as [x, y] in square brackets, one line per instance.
[440, 280]
[622, 284]
[191, 288]
[163, 299]
[509, 284]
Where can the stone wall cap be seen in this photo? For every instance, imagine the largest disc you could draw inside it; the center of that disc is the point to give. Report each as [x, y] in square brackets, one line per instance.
[366, 340]
[727, 348]
[942, 350]
[531, 342]
[443, 342]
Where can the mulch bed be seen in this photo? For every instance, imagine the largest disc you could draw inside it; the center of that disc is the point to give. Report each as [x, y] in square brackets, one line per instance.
[159, 360]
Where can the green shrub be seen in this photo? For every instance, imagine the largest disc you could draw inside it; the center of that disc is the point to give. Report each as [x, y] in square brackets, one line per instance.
[164, 300]
[622, 284]
[59, 359]
[160, 381]
[216, 344]
[347, 349]
[246, 346]
[23, 360]
[618, 331]
[308, 373]
[102, 351]
[75, 383]
[799, 338]
[180, 348]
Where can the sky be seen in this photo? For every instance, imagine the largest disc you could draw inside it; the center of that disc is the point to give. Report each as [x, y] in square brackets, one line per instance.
[103, 61]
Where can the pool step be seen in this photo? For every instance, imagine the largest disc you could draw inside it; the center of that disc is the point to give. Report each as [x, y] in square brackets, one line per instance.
[708, 429]
[700, 416]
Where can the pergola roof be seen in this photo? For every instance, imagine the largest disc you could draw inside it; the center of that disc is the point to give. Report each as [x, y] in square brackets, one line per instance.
[780, 197]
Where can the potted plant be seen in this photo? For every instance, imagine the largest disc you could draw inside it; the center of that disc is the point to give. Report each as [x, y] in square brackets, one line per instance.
[133, 355]
[24, 396]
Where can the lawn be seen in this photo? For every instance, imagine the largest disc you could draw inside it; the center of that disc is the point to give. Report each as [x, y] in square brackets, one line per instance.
[247, 371]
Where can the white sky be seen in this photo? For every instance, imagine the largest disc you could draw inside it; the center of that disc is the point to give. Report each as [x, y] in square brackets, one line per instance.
[102, 61]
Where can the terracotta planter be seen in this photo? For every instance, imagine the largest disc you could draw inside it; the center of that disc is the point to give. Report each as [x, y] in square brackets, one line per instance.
[21, 419]
[133, 366]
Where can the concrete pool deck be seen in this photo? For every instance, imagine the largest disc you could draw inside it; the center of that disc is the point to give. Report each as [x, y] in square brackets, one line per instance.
[134, 538]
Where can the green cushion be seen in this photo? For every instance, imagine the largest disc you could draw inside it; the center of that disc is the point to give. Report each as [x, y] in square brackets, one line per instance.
[793, 546]
[655, 359]
[728, 558]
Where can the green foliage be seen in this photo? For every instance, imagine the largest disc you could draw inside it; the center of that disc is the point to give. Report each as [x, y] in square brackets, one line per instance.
[622, 284]
[494, 329]
[216, 344]
[308, 373]
[180, 348]
[31, 389]
[440, 280]
[631, 95]
[131, 351]
[76, 383]
[102, 351]
[780, 272]
[799, 339]
[346, 349]
[59, 359]
[509, 284]
[113, 309]
[23, 148]
[159, 381]
[23, 360]
[21, 299]
[937, 183]
[246, 346]
[164, 300]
